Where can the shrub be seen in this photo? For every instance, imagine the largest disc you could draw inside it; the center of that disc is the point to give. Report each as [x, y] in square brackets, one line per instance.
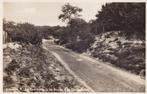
[8, 80]
[23, 32]
[12, 66]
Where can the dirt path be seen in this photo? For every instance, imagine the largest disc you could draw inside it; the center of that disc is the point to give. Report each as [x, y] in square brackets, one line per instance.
[100, 77]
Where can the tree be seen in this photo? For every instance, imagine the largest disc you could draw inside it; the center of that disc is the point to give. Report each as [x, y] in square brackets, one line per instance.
[29, 33]
[69, 12]
[127, 17]
[22, 32]
[76, 35]
[70, 15]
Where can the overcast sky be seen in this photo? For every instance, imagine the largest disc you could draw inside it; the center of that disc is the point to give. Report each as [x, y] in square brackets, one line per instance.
[45, 13]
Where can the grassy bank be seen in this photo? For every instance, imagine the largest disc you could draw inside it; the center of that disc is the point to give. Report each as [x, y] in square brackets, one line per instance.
[29, 68]
[128, 54]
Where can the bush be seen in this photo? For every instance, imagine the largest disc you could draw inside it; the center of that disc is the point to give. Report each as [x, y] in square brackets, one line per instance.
[79, 46]
[76, 35]
[8, 81]
[121, 52]
[12, 66]
[23, 33]
[24, 72]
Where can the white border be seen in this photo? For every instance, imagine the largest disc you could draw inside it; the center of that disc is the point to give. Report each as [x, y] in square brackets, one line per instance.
[74, 0]
[1, 43]
[1, 35]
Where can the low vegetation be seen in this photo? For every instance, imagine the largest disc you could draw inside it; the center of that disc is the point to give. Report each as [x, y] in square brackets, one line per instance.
[29, 68]
[116, 36]
[119, 51]
[23, 32]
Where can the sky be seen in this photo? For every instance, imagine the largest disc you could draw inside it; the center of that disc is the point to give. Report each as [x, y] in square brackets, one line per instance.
[46, 13]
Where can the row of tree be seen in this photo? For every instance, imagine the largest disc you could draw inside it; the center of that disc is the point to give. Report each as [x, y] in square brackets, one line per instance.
[79, 34]
[22, 32]
[127, 17]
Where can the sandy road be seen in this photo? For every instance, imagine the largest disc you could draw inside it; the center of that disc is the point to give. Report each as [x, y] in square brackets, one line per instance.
[98, 76]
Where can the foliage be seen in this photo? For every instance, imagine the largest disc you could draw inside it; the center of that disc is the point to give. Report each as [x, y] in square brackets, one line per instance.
[119, 51]
[69, 12]
[80, 37]
[46, 31]
[34, 69]
[128, 17]
[76, 35]
[13, 66]
[23, 32]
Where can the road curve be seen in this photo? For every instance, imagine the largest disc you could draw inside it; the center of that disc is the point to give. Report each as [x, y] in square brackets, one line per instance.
[99, 76]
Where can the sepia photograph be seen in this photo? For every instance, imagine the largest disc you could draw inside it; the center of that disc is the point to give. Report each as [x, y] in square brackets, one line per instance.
[74, 46]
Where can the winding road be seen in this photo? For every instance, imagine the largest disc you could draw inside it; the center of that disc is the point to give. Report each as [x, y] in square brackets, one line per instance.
[100, 77]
